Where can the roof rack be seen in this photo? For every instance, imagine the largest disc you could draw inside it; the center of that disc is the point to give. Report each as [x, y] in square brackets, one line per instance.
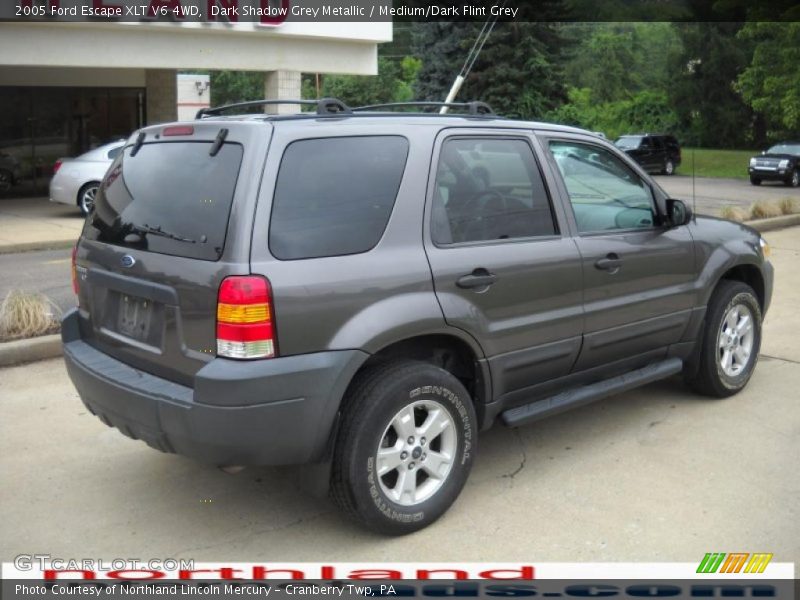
[474, 107]
[325, 106]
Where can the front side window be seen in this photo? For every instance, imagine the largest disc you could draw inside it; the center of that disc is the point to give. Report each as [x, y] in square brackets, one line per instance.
[489, 189]
[605, 194]
[334, 196]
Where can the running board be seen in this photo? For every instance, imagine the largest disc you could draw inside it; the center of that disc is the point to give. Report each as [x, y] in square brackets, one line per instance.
[528, 413]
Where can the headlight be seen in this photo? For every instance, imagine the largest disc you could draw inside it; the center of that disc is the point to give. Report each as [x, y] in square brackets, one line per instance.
[752, 162]
[783, 164]
[764, 247]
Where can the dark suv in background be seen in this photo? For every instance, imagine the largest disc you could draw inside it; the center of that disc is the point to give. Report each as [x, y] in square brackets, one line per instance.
[656, 153]
[780, 163]
[365, 291]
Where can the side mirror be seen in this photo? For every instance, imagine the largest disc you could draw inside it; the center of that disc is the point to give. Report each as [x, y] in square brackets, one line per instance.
[678, 213]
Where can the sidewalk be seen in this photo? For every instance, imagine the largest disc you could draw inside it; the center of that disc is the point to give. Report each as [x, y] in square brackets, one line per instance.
[37, 224]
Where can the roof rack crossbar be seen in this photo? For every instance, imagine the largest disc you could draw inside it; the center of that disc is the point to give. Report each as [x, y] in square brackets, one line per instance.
[474, 107]
[325, 106]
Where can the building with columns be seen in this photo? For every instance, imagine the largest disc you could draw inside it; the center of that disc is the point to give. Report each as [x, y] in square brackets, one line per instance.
[68, 87]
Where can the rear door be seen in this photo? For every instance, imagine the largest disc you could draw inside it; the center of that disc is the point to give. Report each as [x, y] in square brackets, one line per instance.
[170, 222]
[637, 273]
[504, 267]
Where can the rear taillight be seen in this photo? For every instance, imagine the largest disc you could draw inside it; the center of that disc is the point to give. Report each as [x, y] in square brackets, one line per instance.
[57, 166]
[244, 318]
[75, 270]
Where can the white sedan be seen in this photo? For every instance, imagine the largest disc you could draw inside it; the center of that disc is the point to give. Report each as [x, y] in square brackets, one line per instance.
[75, 180]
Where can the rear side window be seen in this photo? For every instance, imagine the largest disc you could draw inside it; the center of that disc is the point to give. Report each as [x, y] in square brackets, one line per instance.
[170, 198]
[334, 196]
[488, 189]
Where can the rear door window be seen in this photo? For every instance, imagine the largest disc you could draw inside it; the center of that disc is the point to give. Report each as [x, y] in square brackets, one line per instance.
[489, 189]
[170, 198]
[334, 196]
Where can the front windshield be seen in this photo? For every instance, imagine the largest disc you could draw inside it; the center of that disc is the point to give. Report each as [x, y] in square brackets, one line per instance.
[785, 149]
[628, 142]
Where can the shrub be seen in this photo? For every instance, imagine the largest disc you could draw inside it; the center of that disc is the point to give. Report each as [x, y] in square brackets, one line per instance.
[763, 210]
[788, 206]
[27, 314]
[734, 213]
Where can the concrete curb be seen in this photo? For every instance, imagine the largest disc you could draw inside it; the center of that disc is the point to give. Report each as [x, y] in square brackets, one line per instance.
[30, 350]
[36, 246]
[773, 223]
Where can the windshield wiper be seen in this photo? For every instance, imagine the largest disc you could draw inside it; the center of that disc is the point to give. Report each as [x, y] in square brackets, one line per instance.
[148, 230]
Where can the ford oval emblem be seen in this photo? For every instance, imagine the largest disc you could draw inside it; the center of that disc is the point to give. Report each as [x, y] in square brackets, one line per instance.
[127, 261]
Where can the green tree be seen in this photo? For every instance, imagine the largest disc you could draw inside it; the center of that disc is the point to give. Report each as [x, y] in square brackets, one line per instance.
[771, 83]
[519, 72]
[228, 87]
[710, 110]
[392, 84]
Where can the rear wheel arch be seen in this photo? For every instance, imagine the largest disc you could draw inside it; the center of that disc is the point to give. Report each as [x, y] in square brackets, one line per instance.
[444, 350]
[79, 198]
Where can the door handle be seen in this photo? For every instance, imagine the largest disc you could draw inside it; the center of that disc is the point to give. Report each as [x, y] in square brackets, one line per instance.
[611, 263]
[479, 278]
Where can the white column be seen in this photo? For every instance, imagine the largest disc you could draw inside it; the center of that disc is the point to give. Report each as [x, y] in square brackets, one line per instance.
[282, 85]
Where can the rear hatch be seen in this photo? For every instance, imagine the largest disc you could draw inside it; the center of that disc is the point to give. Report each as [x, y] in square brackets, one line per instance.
[172, 219]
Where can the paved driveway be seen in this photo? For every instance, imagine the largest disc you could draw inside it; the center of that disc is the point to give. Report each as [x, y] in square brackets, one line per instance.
[654, 474]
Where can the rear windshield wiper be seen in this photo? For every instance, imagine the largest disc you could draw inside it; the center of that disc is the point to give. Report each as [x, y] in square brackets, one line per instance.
[148, 230]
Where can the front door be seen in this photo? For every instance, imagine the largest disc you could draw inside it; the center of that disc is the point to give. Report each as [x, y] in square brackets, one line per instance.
[504, 268]
[637, 272]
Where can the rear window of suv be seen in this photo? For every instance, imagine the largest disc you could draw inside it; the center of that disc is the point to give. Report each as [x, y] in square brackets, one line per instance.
[169, 198]
[334, 196]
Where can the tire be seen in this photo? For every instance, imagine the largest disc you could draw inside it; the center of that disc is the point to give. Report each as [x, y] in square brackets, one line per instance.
[669, 167]
[372, 419]
[755, 181]
[6, 180]
[721, 372]
[86, 197]
[794, 181]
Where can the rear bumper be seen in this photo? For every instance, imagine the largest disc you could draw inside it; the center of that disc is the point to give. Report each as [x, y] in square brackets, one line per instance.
[217, 421]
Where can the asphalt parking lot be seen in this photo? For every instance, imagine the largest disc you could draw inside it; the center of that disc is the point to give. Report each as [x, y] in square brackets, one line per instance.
[655, 474]
[712, 194]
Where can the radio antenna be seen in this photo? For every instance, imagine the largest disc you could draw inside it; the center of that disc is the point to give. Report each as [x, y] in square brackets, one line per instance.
[694, 196]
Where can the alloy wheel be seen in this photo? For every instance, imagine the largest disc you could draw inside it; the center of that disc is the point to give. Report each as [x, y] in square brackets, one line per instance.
[416, 452]
[735, 340]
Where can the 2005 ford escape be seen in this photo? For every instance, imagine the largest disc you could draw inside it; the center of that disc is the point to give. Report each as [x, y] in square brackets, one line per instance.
[366, 290]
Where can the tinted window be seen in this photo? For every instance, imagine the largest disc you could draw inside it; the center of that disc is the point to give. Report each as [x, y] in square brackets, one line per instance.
[658, 143]
[171, 198]
[334, 196]
[489, 189]
[605, 194]
[628, 142]
[785, 148]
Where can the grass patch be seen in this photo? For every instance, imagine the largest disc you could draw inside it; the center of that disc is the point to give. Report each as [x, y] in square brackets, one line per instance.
[716, 163]
[27, 314]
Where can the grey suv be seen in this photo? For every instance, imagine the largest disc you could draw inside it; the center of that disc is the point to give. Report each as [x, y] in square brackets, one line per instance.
[364, 290]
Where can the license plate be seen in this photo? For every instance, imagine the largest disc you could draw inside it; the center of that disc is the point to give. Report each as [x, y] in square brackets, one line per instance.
[134, 316]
